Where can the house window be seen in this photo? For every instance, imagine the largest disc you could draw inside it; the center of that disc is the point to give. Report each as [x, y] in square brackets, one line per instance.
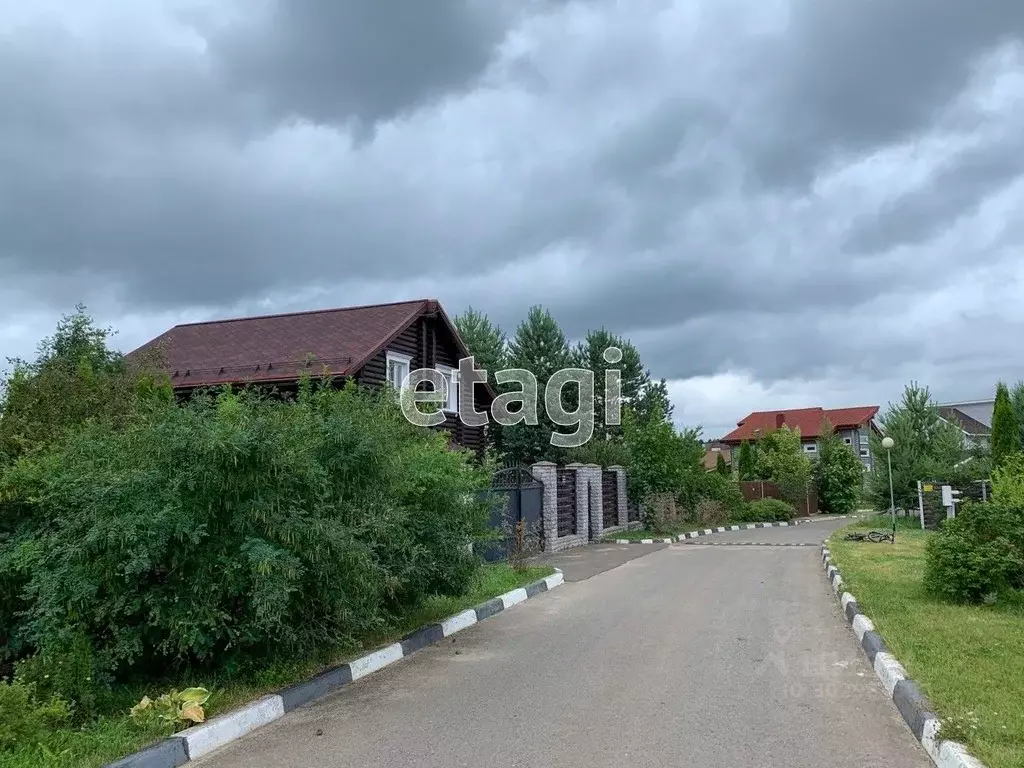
[452, 376]
[865, 452]
[864, 440]
[398, 369]
[848, 440]
[811, 448]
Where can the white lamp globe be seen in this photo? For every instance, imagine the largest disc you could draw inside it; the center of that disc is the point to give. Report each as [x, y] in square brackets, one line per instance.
[887, 443]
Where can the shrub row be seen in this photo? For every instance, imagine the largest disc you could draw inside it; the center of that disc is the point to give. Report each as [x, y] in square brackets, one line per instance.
[766, 511]
[227, 530]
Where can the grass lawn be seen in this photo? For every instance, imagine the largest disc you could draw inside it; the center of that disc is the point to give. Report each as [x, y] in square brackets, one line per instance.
[969, 660]
[116, 735]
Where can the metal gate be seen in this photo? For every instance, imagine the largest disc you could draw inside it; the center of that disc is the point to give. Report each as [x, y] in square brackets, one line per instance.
[609, 498]
[515, 496]
[567, 524]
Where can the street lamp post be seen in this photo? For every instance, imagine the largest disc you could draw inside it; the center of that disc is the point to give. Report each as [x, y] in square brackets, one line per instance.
[888, 443]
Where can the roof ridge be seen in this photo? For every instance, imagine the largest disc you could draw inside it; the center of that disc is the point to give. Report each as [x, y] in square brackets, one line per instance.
[329, 310]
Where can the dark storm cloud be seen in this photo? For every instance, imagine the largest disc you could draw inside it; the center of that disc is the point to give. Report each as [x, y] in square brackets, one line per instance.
[331, 62]
[668, 171]
[850, 76]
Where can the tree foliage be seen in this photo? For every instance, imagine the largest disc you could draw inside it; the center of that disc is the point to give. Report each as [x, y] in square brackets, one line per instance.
[838, 473]
[589, 354]
[663, 460]
[653, 402]
[539, 346]
[1005, 428]
[925, 448]
[722, 466]
[781, 459]
[76, 378]
[747, 462]
[1017, 401]
[489, 347]
[235, 528]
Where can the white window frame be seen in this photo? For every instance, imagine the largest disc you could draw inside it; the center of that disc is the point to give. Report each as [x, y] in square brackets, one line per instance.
[848, 440]
[452, 375]
[865, 453]
[810, 448]
[401, 359]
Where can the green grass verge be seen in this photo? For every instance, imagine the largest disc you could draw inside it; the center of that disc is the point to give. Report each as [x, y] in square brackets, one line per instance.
[967, 659]
[115, 736]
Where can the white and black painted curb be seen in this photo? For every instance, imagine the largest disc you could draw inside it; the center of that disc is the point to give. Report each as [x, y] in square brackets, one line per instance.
[917, 711]
[724, 529]
[203, 739]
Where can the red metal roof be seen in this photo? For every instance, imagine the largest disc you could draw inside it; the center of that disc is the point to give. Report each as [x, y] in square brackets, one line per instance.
[280, 347]
[807, 420]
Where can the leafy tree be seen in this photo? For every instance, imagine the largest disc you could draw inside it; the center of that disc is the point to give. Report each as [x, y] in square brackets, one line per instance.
[663, 460]
[540, 347]
[722, 466]
[76, 378]
[781, 459]
[589, 354]
[926, 448]
[747, 462]
[838, 473]
[653, 401]
[1005, 429]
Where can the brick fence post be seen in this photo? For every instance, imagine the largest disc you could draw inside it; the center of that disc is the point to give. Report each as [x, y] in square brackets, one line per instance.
[623, 500]
[547, 473]
[592, 472]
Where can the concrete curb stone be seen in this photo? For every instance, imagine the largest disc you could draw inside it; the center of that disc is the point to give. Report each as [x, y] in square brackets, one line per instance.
[917, 712]
[202, 739]
[727, 528]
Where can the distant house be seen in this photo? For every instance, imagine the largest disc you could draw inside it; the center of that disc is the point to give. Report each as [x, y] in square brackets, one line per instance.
[369, 344]
[974, 417]
[712, 450]
[854, 426]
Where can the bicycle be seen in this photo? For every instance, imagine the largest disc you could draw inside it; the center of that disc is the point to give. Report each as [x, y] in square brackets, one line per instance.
[876, 537]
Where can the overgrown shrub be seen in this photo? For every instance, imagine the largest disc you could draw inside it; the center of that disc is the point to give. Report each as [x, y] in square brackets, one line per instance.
[661, 514]
[1008, 481]
[838, 473]
[24, 718]
[710, 513]
[723, 490]
[766, 511]
[237, 527]
[69, 672]
[978, 553]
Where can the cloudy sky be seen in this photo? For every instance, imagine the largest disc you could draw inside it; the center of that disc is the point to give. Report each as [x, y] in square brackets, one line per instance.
[783, 203]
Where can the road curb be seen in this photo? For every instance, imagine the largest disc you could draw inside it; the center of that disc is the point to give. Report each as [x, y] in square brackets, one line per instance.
[202, 739]
[917, 712]
[726, 529]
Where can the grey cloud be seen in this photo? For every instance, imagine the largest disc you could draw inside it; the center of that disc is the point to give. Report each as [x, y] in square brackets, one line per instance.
[853, 75]
[168, 177]
[952, 193]
[367, 60]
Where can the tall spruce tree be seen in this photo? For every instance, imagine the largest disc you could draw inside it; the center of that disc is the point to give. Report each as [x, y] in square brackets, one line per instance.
[1005, 429]
[540, 347]
[589, 354]
[722, 466]
[1017, 400]
[926, 448]
[489, 347]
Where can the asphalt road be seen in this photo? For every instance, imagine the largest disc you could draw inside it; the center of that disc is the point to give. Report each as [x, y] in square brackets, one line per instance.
[690, 654]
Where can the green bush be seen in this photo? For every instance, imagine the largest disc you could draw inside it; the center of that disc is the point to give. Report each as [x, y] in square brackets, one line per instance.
[70, 673]
[661, 514]
[239, 527]
[723, 490]
[1008, 481]
[765, 511]
[977, 554]
[24, 718]
[710, 513]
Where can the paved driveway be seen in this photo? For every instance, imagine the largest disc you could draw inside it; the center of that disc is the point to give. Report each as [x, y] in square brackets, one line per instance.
[690, 654]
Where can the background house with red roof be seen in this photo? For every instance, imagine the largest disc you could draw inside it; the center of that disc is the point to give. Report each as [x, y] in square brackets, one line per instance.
[854, 426]
[370, 344]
